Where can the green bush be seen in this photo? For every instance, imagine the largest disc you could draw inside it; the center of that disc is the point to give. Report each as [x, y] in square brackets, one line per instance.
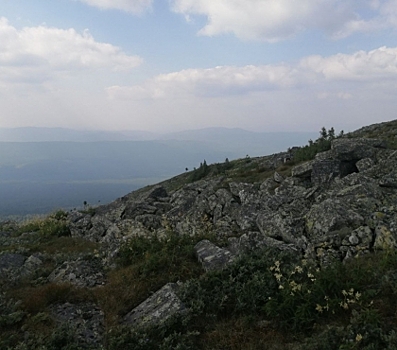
[322, 144]
[154, 255]
[308, 152]
[201, 172]
[53, 225]
[242, 288]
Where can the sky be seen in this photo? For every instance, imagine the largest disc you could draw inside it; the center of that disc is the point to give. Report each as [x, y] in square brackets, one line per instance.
[172, 65]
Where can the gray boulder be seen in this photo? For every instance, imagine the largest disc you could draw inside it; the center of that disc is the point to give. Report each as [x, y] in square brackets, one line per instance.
[279, 227]
[157, 309]
[81, 273]
[211, 256]
[328, 217]
[303, 170]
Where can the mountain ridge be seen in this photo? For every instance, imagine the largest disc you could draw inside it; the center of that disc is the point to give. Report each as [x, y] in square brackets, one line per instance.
[49, 134]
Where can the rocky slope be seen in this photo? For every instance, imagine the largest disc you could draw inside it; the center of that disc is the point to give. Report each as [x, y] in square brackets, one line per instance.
[340, 205]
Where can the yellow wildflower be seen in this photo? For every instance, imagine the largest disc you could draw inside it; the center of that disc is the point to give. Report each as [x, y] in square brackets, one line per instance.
[319, 308]
[298, 269]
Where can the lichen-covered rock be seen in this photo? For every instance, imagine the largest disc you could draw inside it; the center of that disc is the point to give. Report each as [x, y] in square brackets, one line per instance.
[134, 209]
[14, 266]
[211, 256]
[157, 309]
[346, 149]
[361, 236]
[278, 177]
[384, 239]
[80, 272]
[303, 170]
[31, 264]
[325, 170]
[79, 224]
[389, 180]
[329, 216]
[365, 164]
[247, 193]
[253, 240]
[341, 160]
[279, 227]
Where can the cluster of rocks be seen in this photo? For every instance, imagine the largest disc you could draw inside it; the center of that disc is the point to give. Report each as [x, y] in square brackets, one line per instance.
[340, 205]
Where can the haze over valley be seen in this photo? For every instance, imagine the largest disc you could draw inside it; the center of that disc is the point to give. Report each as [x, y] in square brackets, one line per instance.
[63, 168]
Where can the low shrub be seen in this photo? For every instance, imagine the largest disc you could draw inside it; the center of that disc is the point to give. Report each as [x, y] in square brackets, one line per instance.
[53, 225]
[171, 335]
[36, 299]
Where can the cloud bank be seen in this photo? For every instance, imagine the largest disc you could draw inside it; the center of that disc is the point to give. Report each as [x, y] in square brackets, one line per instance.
[131, 6]
[275, 20]
[372, 66]
[36, 54]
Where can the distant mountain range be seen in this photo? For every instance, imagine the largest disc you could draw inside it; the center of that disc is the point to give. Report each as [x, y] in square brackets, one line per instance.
[234, 140]
[42, 169]
[35, 134]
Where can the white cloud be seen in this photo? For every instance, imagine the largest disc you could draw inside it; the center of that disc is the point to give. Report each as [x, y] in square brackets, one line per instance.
[360, 66]
[372, 66]
[274, 20]
[132, 6]
[33, 54]
[222, 80]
